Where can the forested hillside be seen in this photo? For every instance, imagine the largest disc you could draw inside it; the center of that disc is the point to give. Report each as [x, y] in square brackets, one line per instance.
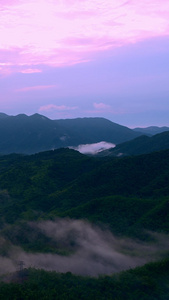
[65, 182]
[140, 145]
[149, 283]
[68, 212]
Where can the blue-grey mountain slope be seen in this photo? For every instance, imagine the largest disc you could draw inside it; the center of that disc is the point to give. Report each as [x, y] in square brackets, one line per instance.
[36, 133]
[140, 145]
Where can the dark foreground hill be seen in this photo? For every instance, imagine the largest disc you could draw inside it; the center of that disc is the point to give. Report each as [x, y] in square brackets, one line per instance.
[140, 145]
[32, 134]
[150, 282]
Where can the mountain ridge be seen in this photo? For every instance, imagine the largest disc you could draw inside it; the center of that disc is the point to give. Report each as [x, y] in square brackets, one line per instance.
[151, 130]
[36, 133]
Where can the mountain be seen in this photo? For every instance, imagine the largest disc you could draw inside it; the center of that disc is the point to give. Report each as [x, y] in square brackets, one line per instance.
[32, 134]
[140, 145]
[151, 130]
[93, 130]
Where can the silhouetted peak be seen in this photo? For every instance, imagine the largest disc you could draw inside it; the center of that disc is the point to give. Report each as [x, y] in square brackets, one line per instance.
[37, 116]
[2, 115]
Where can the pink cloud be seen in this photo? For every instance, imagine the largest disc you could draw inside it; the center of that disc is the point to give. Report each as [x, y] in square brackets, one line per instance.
[51, 107]
[35, 88]
[101, 106]
[71, 32]
[30, 71]
[5, 64]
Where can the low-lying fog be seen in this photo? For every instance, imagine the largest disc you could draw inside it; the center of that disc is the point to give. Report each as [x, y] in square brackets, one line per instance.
[93, 251]
[93, 148]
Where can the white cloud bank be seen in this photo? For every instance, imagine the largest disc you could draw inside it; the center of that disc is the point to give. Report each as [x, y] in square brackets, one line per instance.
[93, 148]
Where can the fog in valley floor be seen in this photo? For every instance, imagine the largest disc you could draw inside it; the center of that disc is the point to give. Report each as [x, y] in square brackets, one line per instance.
[91, 250]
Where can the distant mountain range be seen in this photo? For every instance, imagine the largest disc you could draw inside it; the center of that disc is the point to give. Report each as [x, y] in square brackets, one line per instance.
[36, 133]
[151, 130]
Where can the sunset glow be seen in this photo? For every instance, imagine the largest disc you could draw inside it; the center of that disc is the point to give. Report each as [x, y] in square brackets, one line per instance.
[37, 36]
[70, 32]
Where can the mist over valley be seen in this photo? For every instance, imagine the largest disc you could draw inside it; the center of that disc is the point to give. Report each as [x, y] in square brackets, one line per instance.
[88, 249]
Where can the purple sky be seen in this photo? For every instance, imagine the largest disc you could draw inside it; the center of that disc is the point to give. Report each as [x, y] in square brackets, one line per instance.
[86, 58]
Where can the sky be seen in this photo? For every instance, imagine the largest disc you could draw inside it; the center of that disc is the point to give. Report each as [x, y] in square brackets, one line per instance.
[86, 58]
